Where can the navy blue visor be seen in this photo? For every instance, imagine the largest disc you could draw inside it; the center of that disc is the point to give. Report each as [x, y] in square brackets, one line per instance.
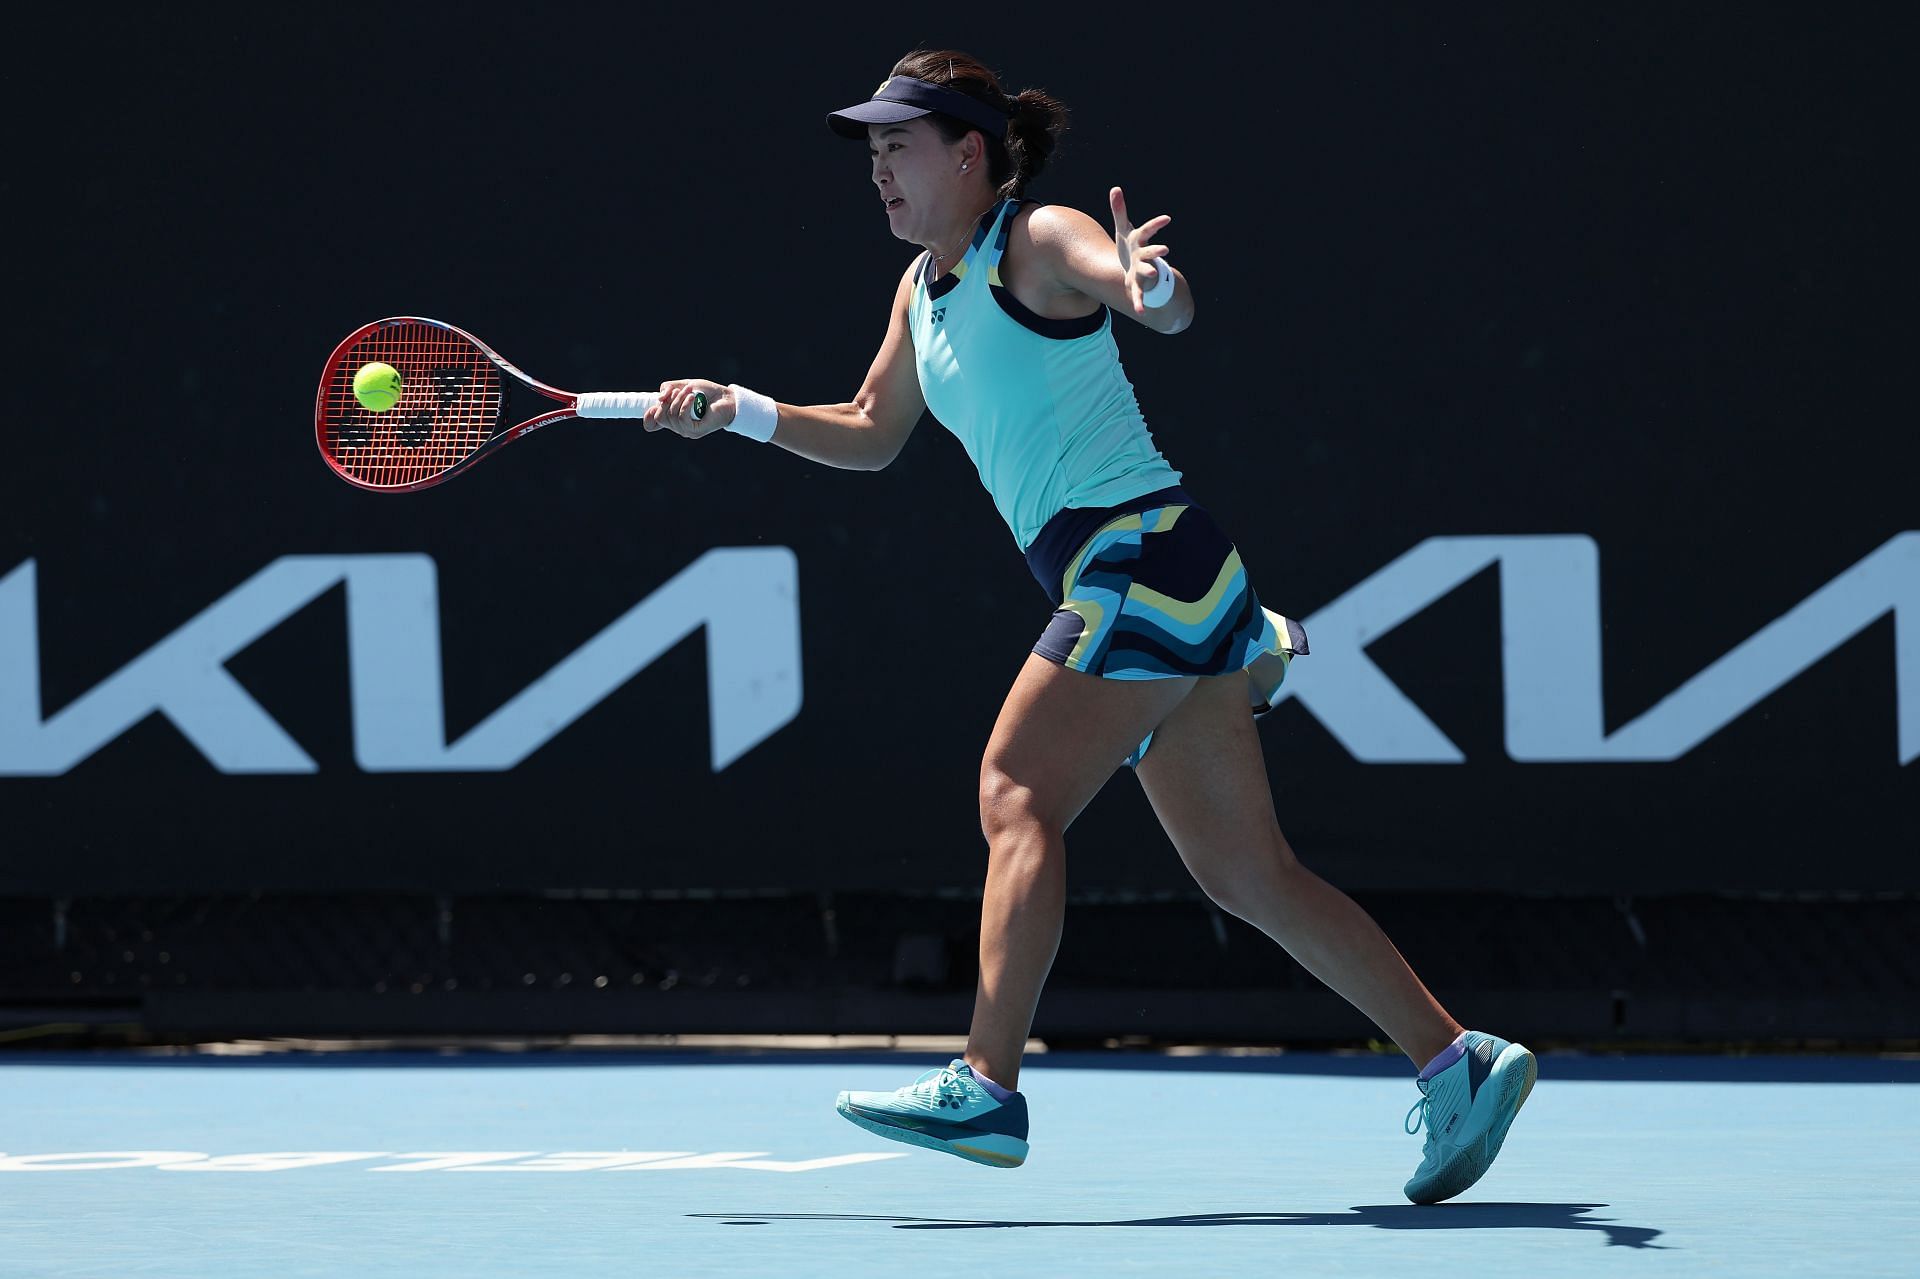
[904, 98]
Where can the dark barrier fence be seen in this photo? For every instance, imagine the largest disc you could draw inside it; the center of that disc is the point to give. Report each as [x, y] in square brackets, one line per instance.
[1593, 971]
[1545, 366]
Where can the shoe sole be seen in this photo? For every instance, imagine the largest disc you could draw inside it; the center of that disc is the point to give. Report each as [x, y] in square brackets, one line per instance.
[1513, 1076]
[992, 1149]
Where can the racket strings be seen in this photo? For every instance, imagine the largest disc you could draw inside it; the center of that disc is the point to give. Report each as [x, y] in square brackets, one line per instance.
[451, 402]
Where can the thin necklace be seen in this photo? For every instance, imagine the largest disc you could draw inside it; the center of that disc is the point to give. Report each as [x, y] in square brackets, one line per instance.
[940, 257]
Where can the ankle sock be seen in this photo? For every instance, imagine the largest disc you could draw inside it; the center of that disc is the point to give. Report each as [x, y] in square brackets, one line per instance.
[1451, 1053]
[994, 1090]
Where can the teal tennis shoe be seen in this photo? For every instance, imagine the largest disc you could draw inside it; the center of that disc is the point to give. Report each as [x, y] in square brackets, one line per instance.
[946, 1109]
[1467, 1106]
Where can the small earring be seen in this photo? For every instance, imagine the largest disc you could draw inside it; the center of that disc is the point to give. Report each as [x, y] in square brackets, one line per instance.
[963, 168]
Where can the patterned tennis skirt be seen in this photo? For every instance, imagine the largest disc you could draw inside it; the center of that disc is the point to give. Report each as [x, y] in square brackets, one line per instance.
[1160, 593]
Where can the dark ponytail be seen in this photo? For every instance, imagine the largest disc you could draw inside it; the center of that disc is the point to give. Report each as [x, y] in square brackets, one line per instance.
[1038, 121]
[1036, 118]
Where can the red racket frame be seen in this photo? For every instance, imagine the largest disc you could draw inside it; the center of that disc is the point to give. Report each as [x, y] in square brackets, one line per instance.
[406, 468]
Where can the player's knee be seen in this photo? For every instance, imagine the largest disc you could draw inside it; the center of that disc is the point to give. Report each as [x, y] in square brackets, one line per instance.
[1249, 886]
[1229, 894]
[1010, 813]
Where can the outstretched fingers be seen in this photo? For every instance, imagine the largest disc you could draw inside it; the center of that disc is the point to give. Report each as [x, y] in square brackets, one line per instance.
[1134, 246]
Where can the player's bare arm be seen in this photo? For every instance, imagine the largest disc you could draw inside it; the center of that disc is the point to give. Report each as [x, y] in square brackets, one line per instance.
[864, 434]
[1115, 268]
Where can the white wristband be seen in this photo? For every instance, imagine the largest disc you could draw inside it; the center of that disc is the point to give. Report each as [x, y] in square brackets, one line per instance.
[754, 415]
[1162, 291]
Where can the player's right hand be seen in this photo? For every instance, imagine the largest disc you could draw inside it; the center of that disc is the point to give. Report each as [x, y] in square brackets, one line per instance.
[674, 411]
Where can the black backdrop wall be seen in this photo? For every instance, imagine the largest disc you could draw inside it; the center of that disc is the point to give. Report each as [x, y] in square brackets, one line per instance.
[1619, 281]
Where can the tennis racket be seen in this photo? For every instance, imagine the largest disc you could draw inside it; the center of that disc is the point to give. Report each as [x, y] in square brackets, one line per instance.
[459, 401]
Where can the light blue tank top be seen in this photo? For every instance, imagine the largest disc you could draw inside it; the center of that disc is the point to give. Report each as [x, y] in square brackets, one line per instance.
[1041, 406]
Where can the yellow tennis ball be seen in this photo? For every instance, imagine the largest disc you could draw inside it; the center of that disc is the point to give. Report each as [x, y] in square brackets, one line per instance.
[377, 387]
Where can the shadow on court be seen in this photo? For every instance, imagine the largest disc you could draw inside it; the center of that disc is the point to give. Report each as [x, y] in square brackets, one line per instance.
[1471, 1216]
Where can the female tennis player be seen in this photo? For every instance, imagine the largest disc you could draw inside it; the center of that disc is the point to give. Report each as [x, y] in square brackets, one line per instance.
[1157, 646]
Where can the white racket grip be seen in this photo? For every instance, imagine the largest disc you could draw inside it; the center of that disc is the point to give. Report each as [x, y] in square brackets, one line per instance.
[615, 403]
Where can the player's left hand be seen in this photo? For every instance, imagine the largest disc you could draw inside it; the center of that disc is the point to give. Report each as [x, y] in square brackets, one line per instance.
[1137, 249]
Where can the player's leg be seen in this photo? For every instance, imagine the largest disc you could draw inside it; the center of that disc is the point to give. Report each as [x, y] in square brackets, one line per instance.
[1208, 784]
[1060, 736]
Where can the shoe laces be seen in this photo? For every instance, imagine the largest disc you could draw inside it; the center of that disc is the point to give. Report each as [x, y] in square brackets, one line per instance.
[1423, 1109]
[942, 1082]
